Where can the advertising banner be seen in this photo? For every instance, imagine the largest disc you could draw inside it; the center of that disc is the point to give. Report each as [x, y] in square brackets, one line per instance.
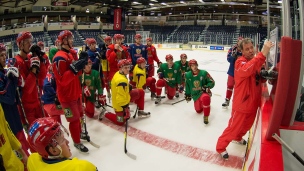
[117, 19]
[216, 47]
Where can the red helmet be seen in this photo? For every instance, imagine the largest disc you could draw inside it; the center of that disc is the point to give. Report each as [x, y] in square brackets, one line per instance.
[169, 57]
[91, 41]
[123, 62]
[183, 55]
[192, 61]
[2, 47]
[107, 38]
[64, 34]
[40, 43]
[240, 38]
[140, 60]
[117, 36]
[42, 133]
[137, 36]
[149, 39]
[22, 36]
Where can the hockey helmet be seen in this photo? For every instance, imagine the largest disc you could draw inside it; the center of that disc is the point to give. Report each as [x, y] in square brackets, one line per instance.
[149, 39]
[137, 36]
[64, 35]
[140, 60]
[183, 55]
[91, 41]
[192, 62]
[2, 47]
[117, 36]
[42, 133]
[123, 63]
[107, 38]
[22, 36]
[40, 43]
[169, 57]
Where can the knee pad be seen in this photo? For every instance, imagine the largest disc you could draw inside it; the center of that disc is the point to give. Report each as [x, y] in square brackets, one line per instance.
[136, 93]
[206, 100]
[150, 80]
[160, 83]
[199, 111]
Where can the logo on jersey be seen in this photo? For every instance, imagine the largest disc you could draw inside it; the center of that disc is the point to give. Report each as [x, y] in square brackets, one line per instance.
[197, 86]
[68, 113]
[138, 51]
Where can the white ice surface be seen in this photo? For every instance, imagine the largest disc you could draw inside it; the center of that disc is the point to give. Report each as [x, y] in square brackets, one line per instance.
[178, 123]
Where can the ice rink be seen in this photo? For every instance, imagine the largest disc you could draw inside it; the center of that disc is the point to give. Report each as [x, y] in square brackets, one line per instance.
[174, 138]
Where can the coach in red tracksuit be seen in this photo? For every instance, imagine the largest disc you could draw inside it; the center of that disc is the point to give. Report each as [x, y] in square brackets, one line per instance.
[152, 56]
[247, 95]
[32, 70]
[67, 69]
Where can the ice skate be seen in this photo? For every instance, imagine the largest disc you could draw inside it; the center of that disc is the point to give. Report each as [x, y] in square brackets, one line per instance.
[225, 155]
[101, 114]
[206, 120]
[242, 142]
[226, 103]
[153, 95]
[177, 94]
[97, 105]
[143, 114]
[81, 147]
[158, 99]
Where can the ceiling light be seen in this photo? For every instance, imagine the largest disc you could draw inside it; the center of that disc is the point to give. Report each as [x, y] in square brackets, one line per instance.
[151, 4]
[182, 2]
[201, 0]
[223, 0]
[279, 1]
[87, 11]
[163, 3]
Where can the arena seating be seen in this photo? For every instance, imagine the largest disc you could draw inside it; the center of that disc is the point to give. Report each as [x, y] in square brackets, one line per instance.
[186, 33]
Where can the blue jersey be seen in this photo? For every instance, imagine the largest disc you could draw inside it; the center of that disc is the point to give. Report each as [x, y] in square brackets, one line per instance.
[137, 51]
[232, 59]
[95, 61]
[49, 89]
[8, 100]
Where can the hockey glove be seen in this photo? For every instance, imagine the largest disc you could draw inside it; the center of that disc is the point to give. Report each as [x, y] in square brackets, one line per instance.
[188, 97]
[57, 103]
[12, 72]
[126, 111]
[36, 51]
[35, 63]
[84, 55]
[12, 62]
[208, 91]
[98, 55]
[158, 64]
[78, 65]
[102, 99]
[181, 88]
[86, 91]
[160, 75]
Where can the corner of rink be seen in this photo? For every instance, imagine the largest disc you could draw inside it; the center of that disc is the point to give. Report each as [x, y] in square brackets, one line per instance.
[263, 154]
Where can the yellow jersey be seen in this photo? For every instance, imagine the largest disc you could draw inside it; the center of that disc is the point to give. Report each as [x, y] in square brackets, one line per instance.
[8, 143]
[120, 91]
[36, 163]
[139, 76]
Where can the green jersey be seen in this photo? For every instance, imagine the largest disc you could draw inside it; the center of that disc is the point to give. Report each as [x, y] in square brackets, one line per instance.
[195, 84]
[93, 82]
[171, 75]
[183, 67]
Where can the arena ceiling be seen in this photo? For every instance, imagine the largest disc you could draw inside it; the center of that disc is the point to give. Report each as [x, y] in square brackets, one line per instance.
[172, 7]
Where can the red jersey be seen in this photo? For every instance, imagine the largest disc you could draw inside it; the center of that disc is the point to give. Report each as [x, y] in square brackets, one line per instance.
[68, 84]
[152, 55]
[247, 91]
[29, 91]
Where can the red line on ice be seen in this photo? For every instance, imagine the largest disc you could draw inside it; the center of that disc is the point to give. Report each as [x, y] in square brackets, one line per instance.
[179, 148]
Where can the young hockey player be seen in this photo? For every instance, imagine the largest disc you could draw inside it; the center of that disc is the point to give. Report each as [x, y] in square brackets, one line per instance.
[94, 55]
[139, 77]
[115, 53]
[184, 67]
[53, 151]
[33, 71]
[247, 95]
[67, 69]
[50, 100]
[198, 85]
[105, 64]
[152, 56]
[8, 90]
[123, 94]
[53, 50]
[8, 143]
[46, 58]
[169, 76]
[232, 56]
[91, 82]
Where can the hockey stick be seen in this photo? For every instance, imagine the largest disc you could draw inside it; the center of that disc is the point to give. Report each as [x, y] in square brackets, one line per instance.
[134, 116]
[174, 102]
[26, 126]
[87, 137]
[288, 148]
[132, 156]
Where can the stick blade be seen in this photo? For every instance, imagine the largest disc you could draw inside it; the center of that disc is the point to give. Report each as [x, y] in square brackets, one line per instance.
[132, 156]
[94, 145]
